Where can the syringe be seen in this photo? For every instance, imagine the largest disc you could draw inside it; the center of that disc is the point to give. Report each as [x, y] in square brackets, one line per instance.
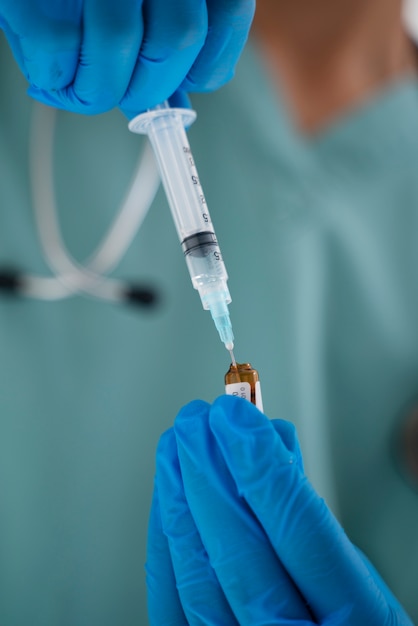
[165, 128]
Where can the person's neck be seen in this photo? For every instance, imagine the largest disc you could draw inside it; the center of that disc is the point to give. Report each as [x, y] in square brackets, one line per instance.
[329, 55]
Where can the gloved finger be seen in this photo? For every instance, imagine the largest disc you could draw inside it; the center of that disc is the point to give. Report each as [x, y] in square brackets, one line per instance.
[305, 535]
[174, 33]
[289, 436]
[254, 581]
[229, 25]
[179, 99]
[164, 607]
[200, 593]
[397, 608]
[112, 35]
[45, 39]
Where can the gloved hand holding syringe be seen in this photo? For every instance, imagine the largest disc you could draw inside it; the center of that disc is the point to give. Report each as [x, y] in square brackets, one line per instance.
[165, 128]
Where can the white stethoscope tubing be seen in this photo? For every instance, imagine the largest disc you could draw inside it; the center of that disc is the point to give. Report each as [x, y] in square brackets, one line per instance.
[71, 277]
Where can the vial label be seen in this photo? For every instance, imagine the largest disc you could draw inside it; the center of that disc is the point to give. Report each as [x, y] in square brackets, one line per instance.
[242, 390]
[258, 398]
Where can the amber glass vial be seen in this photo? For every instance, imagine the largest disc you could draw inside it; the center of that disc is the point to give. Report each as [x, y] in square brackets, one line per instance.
[242, 380]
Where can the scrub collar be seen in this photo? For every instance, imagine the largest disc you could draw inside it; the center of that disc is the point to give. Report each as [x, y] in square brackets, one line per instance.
[371, 135]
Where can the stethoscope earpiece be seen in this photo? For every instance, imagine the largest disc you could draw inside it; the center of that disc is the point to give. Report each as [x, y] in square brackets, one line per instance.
[10, 280]
[139, 295]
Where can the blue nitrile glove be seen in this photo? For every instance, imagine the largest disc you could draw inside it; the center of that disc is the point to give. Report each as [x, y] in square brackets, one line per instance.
[238, 535]
[89, 56]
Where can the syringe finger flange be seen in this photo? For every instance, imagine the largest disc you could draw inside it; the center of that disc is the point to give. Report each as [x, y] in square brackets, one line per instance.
[140, 124]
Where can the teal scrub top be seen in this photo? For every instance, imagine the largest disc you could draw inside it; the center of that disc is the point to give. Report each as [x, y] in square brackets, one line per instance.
[320, 241]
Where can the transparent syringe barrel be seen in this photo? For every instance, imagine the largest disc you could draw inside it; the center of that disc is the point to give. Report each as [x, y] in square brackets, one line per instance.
[165, 129]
